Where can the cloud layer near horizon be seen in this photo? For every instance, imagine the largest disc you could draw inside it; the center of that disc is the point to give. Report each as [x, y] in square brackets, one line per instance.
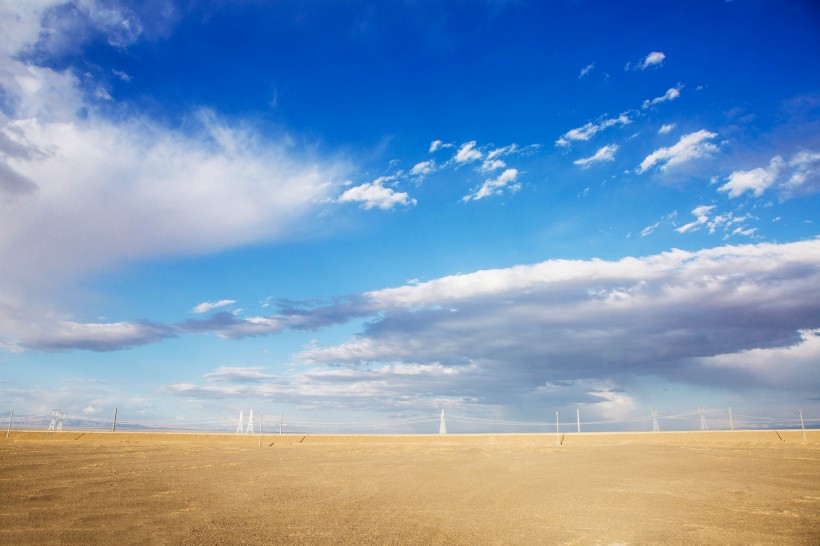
[681, 316]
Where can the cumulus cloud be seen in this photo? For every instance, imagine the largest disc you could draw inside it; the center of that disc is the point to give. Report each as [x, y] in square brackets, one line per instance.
[690, 146]
[606, 153]
[490, 165]
[756, 181]
[423, 168]
[376, 195]
[653, 60]
[467, 153]
[506, 181]
[588, 130]
[437, 145]
[671, 94]
[204, 307]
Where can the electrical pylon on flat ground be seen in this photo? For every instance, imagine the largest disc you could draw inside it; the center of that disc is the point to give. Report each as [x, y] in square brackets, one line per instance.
[655, 427]
[239, 426]
[249, 430]
[703, 424]
[56, 420]
[442, 426]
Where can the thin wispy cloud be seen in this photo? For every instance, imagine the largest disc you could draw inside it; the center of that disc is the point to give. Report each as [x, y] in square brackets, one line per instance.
[671, 94]
[590, 129]
[701, 215]
[586, 70]
[207, 306]
[604, 154]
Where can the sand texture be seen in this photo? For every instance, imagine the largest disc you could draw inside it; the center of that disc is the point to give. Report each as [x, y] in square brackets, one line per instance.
[656, 488]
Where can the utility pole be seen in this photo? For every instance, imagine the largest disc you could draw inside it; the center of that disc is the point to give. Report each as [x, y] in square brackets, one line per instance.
[8, 430]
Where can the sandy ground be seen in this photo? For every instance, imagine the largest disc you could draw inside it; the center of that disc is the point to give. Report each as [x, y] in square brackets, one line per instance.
[657, 488]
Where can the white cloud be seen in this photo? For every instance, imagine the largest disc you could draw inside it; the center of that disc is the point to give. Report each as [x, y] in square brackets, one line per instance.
[495, 186]
[490, 165]
[666, 128]
[438, 145]
[560, 319]
[805, 176]
[690, 146]
[756, 181]
[586, 70]
[122, 75]
[606, 153]
[208, 306]
[701, 215]
[795, 365]
[508, 150]
[424, 168]
[238, 374]
[671, 94]
[649, 230]
[654, 59]
[588, 130]
[467, 152]
[375, 195]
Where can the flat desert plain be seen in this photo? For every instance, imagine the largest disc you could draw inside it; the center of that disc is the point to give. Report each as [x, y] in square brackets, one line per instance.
[653, 488]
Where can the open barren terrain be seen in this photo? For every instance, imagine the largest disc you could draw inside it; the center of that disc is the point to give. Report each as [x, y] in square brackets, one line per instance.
[673, 488]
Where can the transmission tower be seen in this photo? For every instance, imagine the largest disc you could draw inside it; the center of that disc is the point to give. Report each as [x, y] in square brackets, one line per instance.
[239, 426]
[442, 427]
[56, 420]
[249, 430]
[703, 424]
[655, 427]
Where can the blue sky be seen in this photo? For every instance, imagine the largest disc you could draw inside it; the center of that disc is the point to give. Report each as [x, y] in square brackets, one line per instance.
[358, 212]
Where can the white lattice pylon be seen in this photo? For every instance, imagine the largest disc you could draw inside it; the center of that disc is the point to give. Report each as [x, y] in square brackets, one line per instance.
[249, 429]
[239, 426]
[442, 426]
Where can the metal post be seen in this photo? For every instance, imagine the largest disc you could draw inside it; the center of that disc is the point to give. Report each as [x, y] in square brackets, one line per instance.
[802, 426]
[731, 420]
[281, 421]
[8, 430]
[114, 426]
[557, 429]
[578, 414]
